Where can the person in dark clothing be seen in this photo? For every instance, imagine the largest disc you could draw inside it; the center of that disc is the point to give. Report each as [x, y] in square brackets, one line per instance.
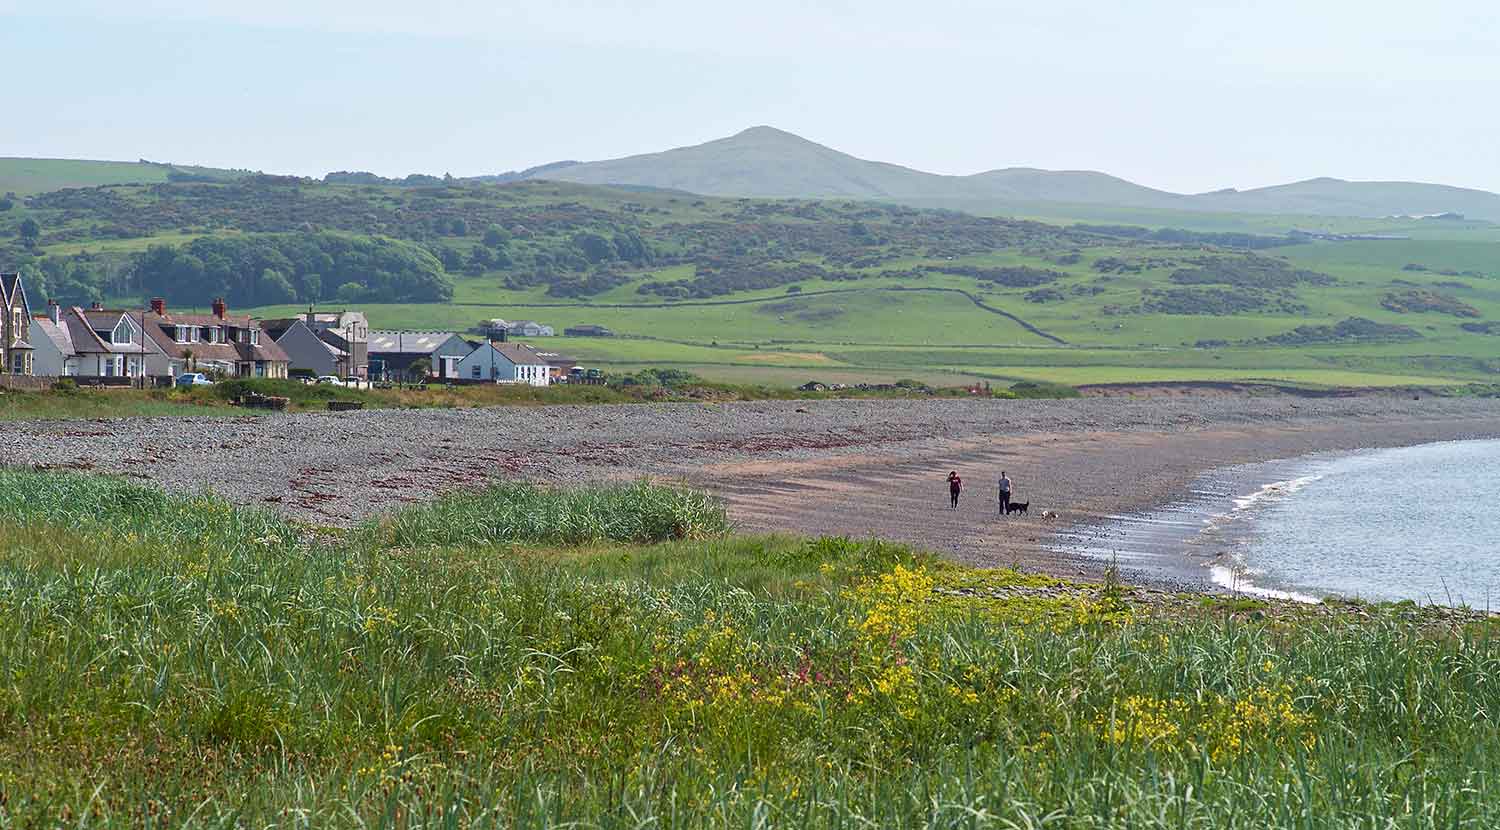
[1004, 492]
[955, 486]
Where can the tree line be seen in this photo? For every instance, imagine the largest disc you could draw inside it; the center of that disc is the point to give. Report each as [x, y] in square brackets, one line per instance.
[250, 270]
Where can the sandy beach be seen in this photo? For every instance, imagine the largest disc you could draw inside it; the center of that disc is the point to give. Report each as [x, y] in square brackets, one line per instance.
[856, 468]
[1085, 477]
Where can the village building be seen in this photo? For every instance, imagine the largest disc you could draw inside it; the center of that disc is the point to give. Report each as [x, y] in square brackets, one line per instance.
[394, 353]
[15, 326]
[324, 343]
[499, 362]
[559, 366]
[218, 342]
[95, 343]
[498, 328]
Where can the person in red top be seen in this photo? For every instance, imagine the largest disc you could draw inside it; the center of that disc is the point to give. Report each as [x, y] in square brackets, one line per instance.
[955, 486]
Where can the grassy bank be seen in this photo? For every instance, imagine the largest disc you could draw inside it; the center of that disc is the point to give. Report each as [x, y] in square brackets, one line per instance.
[644, 388]
[427, 678]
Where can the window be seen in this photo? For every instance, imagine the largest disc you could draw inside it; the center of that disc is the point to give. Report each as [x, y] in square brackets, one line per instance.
[255, 337]
[123, 333]
[18, 363]
[476, 371]
[179, 334]
[215, 334]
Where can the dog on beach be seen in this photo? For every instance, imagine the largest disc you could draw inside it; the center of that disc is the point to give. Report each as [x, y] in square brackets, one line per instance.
[1049, 515]
[1017, 507]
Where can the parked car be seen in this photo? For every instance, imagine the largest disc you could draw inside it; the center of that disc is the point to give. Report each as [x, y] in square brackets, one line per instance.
[329, 380]
[193, 379]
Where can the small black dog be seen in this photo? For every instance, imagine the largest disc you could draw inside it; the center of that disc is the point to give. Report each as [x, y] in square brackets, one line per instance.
[1017, 507]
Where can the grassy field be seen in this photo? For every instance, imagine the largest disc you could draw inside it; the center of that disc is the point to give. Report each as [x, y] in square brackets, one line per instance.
[28, 176]
[182, 662]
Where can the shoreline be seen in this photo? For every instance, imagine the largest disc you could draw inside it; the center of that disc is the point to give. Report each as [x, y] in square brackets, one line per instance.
[1109, 479]
[1194, 541]
[841, 468]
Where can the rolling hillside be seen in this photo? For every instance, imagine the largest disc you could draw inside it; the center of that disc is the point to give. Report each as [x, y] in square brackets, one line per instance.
[766, 162]
[783, 290]
[28, 176]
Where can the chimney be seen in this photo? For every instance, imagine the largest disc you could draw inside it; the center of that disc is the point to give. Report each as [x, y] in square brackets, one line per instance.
[158, 306]
[54, 311]
[220, 310]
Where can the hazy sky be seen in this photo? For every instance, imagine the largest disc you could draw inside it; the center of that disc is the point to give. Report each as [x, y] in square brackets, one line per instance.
[1185, 96]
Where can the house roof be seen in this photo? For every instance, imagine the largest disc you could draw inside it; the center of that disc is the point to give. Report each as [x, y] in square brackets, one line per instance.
[8, 282]
[519, 354]
[83, 331]
[55, 332]
[555, 359]
[162, 327]
[278, 328]
[409, 342]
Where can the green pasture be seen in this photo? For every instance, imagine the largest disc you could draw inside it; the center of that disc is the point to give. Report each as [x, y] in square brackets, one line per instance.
[26, 176]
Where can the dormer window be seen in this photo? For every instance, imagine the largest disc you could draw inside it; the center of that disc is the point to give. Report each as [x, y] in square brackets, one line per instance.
[255, 337]
[123, 333]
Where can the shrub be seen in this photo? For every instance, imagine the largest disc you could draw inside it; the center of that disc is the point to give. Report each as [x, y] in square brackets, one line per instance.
[641, 512]
[1042, 389]
[121, 509]
[1418, 300]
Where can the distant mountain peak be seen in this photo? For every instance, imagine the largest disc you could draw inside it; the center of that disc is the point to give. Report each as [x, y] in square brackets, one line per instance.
[765, 161]
[766, 131]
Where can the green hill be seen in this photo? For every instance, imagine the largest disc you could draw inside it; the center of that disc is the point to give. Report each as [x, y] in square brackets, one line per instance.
[26, 176]
[786, 290]
[766, 162]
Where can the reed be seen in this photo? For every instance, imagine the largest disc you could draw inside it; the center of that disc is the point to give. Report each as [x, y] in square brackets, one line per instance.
[640, 512]
[722, 681]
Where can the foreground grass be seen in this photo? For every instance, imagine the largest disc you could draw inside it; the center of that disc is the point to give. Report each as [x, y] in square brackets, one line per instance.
[180, 662]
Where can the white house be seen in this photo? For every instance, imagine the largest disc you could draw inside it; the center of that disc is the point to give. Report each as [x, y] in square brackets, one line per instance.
[94, 343]
[505, 363]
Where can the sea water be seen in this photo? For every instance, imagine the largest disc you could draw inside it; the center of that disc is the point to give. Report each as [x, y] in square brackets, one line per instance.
[1419, 523]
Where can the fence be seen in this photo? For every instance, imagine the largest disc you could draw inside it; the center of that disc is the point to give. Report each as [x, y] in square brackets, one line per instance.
[25, 383]
[37, 383]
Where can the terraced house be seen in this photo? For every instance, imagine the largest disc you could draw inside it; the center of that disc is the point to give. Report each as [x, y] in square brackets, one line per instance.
[216, 342]
[15, 328]
[95, 342]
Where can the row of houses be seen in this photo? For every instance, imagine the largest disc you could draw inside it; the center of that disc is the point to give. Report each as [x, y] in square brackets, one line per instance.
[95, 342]
[112, 343]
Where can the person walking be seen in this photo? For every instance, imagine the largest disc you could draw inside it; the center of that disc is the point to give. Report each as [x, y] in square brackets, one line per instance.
[1004, 493]
[955, 486]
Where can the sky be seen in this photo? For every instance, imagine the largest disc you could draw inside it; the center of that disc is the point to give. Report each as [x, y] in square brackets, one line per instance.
[1178, 95]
